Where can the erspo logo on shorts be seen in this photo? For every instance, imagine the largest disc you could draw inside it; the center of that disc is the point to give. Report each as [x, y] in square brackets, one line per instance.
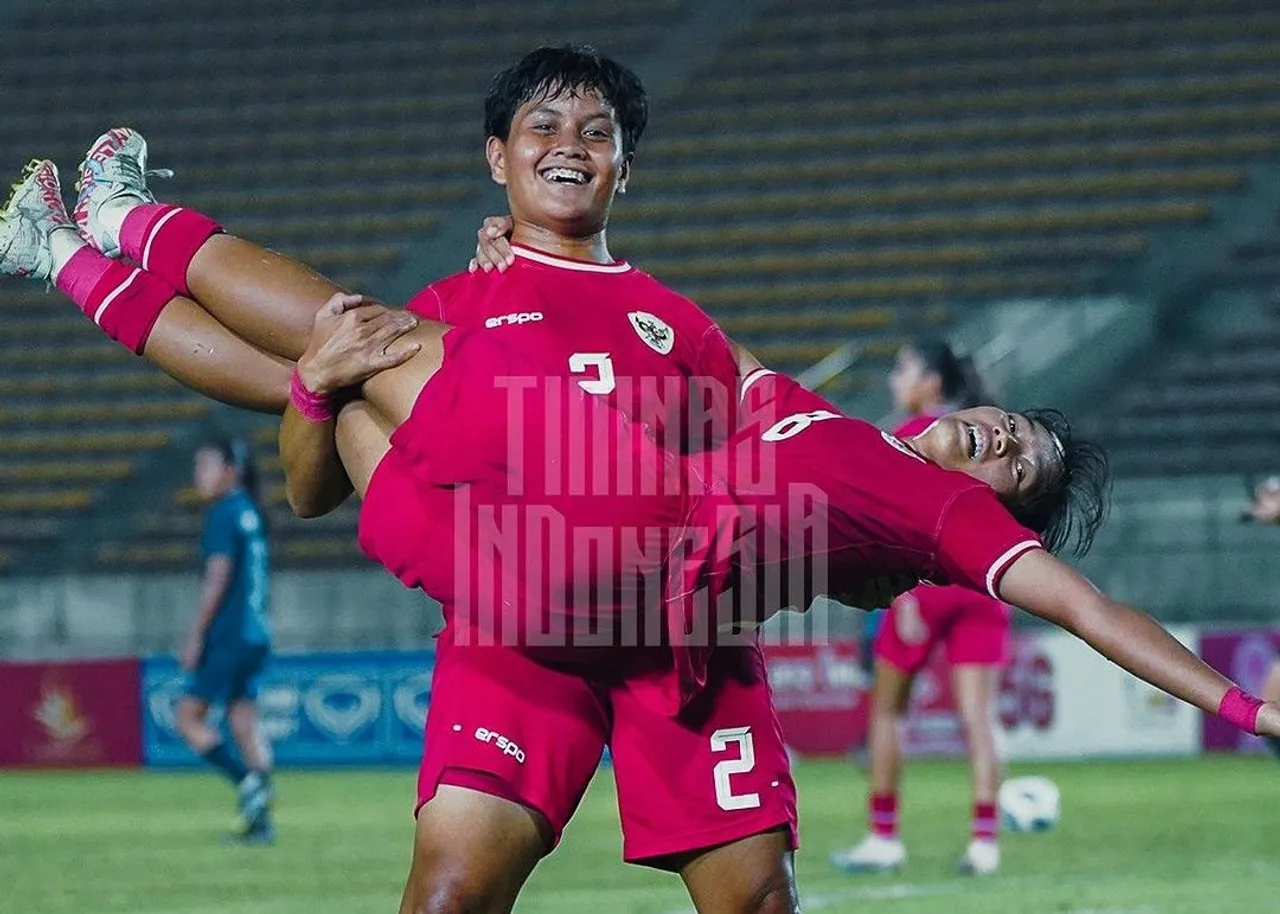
[497, 739]
[510, 320]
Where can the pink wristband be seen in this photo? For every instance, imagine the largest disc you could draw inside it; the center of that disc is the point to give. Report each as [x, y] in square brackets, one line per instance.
[312, 407]
[1240, 708]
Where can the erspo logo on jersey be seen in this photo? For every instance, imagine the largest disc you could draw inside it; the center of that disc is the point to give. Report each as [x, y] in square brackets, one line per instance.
[511, 320]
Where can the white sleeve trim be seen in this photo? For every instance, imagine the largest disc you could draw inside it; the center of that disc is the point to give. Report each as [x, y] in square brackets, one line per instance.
[1000, 564]
[751, 379]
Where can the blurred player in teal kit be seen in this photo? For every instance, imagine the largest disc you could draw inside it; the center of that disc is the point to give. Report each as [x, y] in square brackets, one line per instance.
[230, 642]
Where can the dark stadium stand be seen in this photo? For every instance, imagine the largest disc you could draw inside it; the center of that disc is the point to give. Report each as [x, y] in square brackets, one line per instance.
[927, 153]
[832, 174]
[1209, 409]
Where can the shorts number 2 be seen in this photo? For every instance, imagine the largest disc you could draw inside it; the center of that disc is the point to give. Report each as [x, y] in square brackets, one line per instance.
[721, 741]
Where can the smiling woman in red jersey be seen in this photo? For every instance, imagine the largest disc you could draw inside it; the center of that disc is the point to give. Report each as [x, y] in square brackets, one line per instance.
[562, 159]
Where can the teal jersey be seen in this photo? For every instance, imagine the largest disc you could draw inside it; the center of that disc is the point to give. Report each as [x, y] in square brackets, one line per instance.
[234, 528]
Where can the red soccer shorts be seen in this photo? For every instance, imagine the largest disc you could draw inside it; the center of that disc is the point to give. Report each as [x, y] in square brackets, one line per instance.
[500, 723]
[505, 725]
[407, 527]
[717, 773]
[974, 628]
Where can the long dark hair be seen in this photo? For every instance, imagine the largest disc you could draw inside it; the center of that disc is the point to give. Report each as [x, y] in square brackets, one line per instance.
[1068, 513]
[235, 452]
[962, 386]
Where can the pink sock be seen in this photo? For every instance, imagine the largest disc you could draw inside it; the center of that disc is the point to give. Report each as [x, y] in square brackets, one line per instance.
[162, 239]
[123, 300]
[882, 813]
[986, 823]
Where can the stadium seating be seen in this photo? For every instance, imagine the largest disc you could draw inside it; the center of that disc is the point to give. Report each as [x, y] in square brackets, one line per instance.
[169, 533]
[833, 173]
[1208, 410]
[835, 158]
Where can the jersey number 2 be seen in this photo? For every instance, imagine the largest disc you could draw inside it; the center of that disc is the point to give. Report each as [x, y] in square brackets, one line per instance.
[721, 740]
[600, 364]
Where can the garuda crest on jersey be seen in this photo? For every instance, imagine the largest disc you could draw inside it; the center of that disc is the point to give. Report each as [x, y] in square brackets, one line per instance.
[655, 332]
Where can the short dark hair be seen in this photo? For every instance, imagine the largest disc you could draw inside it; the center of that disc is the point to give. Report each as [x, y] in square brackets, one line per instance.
[1073, 506]
[549, 71]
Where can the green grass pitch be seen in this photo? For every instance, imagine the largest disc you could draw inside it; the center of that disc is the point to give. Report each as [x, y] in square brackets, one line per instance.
[1162, 837]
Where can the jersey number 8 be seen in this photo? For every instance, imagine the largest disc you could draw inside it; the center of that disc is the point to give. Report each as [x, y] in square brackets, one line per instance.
[795, 424]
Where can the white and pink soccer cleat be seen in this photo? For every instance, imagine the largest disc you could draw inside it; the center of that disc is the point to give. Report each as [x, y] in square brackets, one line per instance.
[113, 179]
[34, 211]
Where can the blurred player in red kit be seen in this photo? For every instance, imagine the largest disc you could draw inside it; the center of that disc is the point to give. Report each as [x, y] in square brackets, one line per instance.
[928, 381]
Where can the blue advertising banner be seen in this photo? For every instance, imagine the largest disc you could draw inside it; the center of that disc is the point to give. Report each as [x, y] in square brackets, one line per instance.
[356, 708]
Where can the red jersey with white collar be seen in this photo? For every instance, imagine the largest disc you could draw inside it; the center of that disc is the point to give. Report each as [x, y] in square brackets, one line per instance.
[613, 330]
[823, 503]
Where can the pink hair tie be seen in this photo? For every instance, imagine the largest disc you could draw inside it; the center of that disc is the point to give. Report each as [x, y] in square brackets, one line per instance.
[312, 407]
[1241, 709]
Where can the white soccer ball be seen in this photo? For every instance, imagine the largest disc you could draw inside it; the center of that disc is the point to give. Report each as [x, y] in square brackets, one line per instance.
[1029, 804]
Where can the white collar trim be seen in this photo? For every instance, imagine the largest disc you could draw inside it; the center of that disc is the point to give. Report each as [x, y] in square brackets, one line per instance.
[751, 379]
[565, 263]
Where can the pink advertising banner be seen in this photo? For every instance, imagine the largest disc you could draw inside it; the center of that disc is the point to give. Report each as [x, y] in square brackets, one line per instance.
[1244, 655]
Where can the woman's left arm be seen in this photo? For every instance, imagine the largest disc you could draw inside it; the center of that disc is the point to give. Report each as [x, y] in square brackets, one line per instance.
[1052, 590]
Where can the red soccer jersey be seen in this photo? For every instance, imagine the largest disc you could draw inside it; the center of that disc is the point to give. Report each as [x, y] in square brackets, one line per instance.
[614, 330]
[821, 503]
[544, 530]
[934, 600]
[857, 503]
[566, 327]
